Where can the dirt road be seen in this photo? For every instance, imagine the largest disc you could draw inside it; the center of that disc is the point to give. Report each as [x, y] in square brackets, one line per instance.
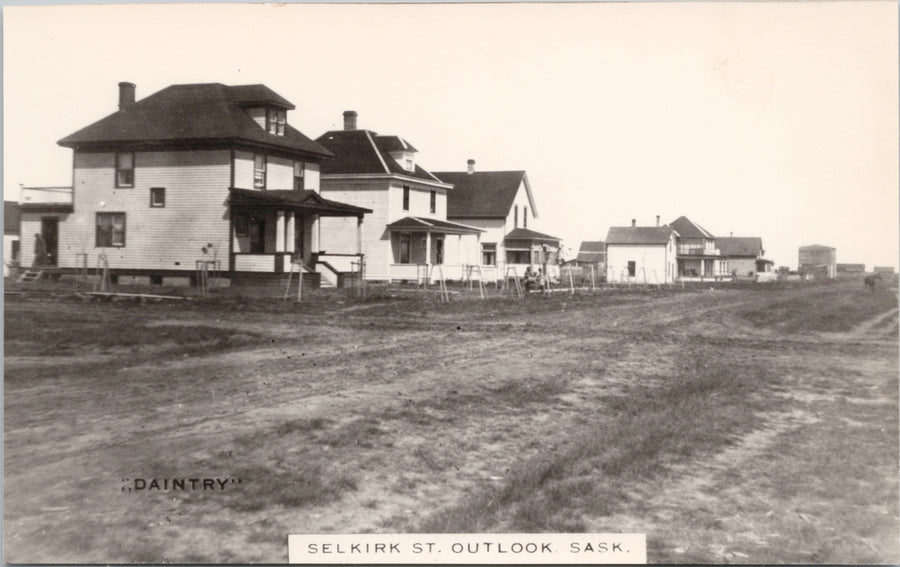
[377, 416]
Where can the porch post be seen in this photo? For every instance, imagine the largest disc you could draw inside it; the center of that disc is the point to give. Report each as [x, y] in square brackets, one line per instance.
[314, 234]
[289, 233]
[359, 221]
[427, 253]
[279, 231]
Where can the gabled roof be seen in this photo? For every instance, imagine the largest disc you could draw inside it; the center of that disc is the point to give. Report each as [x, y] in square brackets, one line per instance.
[639, 235]
[484, 194]
[733, 246]
[591, 251]
[687, 228]
[357, 152]
[297, 198]
[11, 216]
[419, 224]
[527, 234]
[194, 113]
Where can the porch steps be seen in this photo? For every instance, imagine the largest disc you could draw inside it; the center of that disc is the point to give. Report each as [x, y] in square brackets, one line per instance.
[328, 275]
[31, 275]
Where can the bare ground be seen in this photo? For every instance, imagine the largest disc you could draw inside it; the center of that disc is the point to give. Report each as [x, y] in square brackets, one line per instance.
[394, 415]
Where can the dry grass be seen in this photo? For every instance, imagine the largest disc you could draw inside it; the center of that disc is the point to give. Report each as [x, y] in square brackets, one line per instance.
[649, 429]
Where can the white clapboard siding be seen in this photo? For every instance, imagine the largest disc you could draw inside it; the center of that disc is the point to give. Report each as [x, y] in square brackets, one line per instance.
[338, 235]
[243, 170]
[312, 180]
[170, 237]
[279, 173]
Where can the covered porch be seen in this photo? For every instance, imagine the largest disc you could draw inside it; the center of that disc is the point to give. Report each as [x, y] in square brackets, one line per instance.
[527, 248]
[418, 244]
[271, 229]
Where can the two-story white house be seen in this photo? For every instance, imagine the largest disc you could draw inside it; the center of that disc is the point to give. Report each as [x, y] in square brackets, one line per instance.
[193, 173]
[641, 254]
[407, 233]
[502, 204]
[698, 257]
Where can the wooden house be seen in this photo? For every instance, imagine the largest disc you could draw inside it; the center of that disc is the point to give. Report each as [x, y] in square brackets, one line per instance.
[641, 254]
[408, 232]
[745, 257]
[697, 255]
[196, 173]
[502, 204]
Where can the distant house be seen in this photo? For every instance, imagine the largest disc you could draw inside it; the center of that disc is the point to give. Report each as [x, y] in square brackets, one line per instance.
[697, 254]
[639, 254]
[851, 270]
[592, 253]
[408, 231]
[883, 270]
[192, 173]
[744, 256]
[817, 261]
[11, 237]
[502, 204]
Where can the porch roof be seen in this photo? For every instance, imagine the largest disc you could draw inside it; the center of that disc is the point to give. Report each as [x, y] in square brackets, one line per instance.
[418, 224]
[524, 234]
[296, 200]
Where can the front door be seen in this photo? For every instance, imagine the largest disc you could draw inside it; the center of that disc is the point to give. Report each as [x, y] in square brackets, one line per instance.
[257, 235]
[438, 250]
[298, 237]
[50, 234]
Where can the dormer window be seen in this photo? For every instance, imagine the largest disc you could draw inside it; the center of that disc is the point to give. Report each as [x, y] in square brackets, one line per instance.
[409, 164]
[275, 121]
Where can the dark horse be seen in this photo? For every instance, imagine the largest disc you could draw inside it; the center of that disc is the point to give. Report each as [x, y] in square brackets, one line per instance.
[870, 281]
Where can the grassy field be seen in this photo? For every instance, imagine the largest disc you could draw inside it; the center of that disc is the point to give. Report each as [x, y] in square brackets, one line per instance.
[748, 425]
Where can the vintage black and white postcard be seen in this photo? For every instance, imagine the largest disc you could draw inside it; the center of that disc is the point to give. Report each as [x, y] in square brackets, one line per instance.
[556, 283]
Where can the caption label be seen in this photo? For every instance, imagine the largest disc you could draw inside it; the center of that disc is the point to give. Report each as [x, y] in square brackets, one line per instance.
[467, 548]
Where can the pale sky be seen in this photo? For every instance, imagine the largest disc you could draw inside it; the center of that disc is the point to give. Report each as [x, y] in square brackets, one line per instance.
[770, 119]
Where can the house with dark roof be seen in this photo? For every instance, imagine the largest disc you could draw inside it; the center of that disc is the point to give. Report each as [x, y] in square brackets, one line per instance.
[502, 204]
[193, 174]
[745, 257]
[408, 233]
[591, 253]
[697, 254]
[641, 254]
[10, 235]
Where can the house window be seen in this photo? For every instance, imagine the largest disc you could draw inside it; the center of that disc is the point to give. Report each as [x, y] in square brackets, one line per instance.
[157, 196]
[259, 171]
[489, 253]
[110, 229]
[125, 170]
[433, 207]
[409, 165]
[275, 121]
[632, 269]
[524, 217]
[518, 257]
[404, 249]
[298, 174]
[516, 216]
[406, 197]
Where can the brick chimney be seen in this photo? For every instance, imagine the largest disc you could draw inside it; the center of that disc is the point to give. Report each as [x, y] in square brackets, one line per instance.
[657, 220]
[126, 95]
[633, 223]
[470, 169]
[349, 120]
